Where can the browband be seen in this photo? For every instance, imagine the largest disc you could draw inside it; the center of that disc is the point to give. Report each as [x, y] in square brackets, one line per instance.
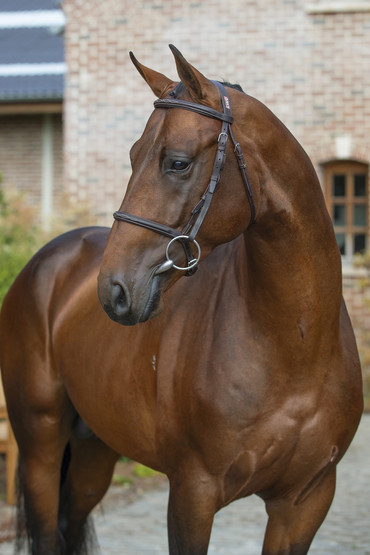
[192, 107]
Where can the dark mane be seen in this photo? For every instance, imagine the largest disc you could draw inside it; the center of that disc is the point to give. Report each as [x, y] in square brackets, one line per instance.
[235, 86]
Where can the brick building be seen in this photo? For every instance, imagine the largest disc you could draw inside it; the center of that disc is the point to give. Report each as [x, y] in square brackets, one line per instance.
[31, 92]
[308, 60]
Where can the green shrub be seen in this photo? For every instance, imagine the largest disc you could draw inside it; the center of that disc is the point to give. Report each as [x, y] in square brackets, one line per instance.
[20, 237]
[119, 480]
[142, 471]
[21, 234]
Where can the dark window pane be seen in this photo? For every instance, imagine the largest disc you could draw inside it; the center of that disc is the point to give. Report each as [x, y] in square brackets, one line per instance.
[360, 184]
[341, 240]
[359, 215]
[339, 185]
[359, 242]
[339, 214]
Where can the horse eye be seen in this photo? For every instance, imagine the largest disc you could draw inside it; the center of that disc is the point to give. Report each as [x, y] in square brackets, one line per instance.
[179, 165]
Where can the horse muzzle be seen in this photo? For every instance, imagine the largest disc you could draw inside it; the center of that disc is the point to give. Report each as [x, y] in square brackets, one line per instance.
[130, 305]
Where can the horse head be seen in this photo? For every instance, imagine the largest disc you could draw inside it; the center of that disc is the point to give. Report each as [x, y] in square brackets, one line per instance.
[167, 222]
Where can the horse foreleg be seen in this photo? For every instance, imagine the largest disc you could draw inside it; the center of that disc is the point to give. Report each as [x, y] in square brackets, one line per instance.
[293, 523]
[192, 505]
[88, 478]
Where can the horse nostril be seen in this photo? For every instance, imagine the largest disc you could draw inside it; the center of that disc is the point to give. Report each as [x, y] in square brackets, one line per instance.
[120, 298]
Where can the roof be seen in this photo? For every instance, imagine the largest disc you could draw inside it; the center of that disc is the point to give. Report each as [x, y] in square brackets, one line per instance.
[24, 5]
[32, 66]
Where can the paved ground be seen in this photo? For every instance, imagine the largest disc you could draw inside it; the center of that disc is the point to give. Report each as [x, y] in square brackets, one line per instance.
[139, 528]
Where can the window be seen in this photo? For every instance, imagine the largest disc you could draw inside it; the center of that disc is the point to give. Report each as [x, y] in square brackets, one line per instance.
[346, 191]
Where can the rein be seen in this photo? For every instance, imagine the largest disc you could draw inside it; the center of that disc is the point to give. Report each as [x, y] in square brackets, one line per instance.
[199, 212]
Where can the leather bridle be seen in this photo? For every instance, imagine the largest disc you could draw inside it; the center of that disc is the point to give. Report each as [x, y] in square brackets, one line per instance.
[188, 234]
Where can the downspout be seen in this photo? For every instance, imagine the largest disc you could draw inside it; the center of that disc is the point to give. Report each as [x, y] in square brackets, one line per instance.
[47, 172]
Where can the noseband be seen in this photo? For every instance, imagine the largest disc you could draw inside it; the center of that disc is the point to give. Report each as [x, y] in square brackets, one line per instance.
[199, 212]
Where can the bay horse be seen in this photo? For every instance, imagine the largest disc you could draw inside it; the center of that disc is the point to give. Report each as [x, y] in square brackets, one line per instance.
[228, 361]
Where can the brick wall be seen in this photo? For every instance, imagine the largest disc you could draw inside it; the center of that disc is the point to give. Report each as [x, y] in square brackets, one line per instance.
[21, 155]
[356, 292]
[311, 69]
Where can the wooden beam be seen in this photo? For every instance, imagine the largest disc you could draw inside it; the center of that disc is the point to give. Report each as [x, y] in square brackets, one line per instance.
[22, 108]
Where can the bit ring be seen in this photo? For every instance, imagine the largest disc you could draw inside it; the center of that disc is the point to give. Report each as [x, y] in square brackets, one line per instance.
[193, 262]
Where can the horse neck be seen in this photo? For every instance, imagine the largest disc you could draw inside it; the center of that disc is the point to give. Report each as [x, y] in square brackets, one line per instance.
[293, 270]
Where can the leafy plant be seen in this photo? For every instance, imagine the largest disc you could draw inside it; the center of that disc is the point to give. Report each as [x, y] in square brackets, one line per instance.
[119, 480]
[142, 471]
[21, 234]
[20, 237]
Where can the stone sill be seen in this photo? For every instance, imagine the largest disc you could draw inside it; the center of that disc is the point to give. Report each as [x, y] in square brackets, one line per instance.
[337, 6]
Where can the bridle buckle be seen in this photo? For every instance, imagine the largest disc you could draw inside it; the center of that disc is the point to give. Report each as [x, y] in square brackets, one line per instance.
[220, 135]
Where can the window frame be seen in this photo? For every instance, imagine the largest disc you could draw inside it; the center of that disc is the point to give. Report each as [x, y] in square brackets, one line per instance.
[350, 169]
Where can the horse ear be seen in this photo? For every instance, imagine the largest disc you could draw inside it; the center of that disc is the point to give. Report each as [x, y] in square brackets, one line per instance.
[199, 87]
[158, 82]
